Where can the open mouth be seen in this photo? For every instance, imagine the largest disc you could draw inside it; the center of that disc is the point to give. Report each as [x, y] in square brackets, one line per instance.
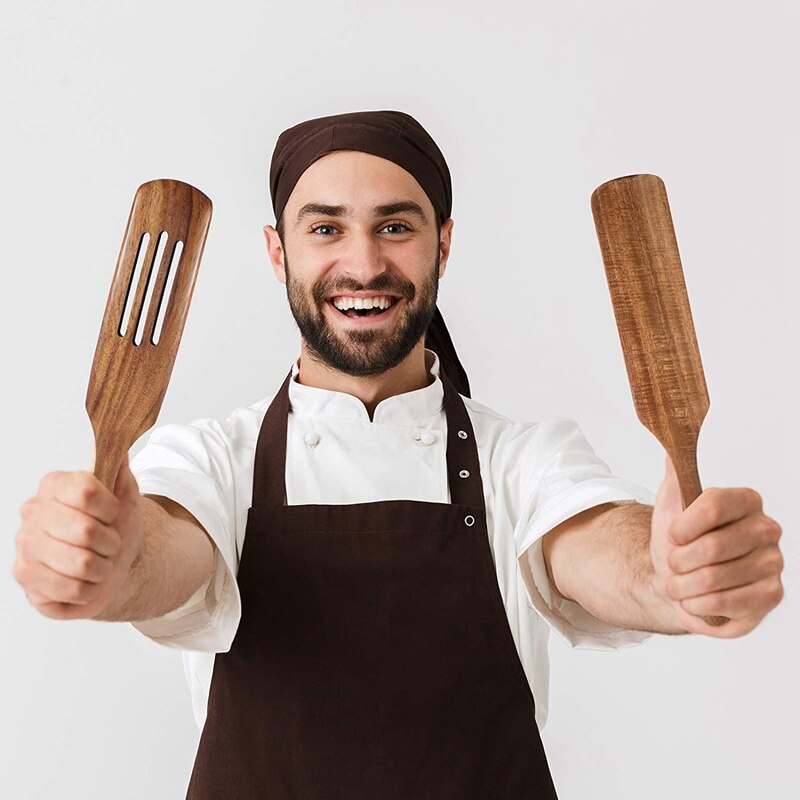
[378, 309]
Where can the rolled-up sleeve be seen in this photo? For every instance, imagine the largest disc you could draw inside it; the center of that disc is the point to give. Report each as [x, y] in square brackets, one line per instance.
[563, 478]
[191, 465]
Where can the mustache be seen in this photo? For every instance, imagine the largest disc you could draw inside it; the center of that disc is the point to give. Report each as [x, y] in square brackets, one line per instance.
[321, 293]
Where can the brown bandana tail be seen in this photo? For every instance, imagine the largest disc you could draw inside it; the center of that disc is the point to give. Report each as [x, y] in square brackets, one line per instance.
[438, 339]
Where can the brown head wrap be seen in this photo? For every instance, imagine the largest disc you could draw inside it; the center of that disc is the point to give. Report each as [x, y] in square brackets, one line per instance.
[396, 137]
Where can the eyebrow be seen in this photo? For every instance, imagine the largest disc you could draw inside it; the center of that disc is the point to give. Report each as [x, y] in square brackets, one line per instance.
[400, 207]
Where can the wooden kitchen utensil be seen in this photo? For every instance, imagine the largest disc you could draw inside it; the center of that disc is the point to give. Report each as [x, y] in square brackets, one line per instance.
[648, 292]
[133, 361]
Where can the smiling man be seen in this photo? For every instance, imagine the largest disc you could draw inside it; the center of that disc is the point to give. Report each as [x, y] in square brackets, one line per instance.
[363, 568]
[357, 339]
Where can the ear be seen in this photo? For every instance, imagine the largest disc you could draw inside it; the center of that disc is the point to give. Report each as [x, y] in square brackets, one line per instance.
[445, 237]
[275, 252]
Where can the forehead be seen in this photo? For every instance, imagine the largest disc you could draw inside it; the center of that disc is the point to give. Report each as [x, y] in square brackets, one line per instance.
[350, 177]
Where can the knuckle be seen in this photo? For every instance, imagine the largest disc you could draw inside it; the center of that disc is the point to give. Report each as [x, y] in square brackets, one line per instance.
[84, 563]
[86, 532]
[752, 497]
[27, 509]
[705, 580]
[50, 481]
[762, 527]
[713, 509]
[774, 562]
[771, 530]
[712, 549]
[20, 571]
[775, 594]
[674, 560]
[86, 490]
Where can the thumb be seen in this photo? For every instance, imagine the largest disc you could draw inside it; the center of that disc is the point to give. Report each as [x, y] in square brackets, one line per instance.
[125, 486]
[669, 502]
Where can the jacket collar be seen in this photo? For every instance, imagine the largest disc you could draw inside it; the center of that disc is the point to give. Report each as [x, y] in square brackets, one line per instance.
[410, 408]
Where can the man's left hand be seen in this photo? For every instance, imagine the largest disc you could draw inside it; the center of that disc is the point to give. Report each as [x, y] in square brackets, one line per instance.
[718, 557]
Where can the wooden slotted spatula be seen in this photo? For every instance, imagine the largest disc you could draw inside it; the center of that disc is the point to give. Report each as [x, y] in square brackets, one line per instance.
[161, 249]
[651, 306]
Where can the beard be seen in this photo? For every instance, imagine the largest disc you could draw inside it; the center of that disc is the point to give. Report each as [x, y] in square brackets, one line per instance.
[370, 351]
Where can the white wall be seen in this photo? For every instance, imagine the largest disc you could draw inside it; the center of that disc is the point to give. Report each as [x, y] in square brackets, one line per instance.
[534, 104]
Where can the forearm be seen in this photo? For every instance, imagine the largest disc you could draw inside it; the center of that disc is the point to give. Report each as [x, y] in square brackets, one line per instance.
[169, 568]
[618, 585]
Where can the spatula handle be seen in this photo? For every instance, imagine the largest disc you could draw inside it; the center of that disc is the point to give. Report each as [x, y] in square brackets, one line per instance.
[685, 464]
[108, 456]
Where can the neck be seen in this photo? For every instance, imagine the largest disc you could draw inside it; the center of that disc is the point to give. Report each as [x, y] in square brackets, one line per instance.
[409, 375]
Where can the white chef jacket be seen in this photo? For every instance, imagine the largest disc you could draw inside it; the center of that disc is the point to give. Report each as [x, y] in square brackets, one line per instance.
[535, 475]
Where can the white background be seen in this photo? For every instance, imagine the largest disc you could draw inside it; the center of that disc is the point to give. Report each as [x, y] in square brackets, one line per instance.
[534, 105]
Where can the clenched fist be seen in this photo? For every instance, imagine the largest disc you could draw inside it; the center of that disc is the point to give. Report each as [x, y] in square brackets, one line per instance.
[718, 557]
[77, 542]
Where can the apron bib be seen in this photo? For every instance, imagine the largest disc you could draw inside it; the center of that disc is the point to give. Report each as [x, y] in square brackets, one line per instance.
[373, 659]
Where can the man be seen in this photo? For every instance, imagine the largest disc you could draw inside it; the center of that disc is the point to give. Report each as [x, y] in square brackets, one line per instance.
[363, 567]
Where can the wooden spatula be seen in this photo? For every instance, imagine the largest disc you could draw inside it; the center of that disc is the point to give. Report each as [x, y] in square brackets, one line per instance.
[133, 360]
[648, 292]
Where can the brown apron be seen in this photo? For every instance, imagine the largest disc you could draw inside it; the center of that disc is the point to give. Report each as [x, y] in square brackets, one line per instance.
[373, 659]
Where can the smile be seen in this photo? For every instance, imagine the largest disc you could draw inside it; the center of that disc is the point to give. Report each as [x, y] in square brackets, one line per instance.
[363, 311]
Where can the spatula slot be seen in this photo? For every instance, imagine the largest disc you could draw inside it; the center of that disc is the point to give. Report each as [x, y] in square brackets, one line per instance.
[141, 255]
[161, 244]
[163, 303]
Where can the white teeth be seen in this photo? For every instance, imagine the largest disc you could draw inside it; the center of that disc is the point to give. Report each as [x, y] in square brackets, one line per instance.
[343, 303]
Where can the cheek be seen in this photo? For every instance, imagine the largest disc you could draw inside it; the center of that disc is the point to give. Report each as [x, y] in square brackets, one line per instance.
[304, 270]
[414, 258]
[312, 263]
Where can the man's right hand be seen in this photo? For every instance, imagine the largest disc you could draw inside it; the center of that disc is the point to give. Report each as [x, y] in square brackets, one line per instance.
[77, 542]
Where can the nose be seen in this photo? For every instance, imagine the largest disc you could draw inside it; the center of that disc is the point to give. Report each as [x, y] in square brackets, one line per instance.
[363, 259]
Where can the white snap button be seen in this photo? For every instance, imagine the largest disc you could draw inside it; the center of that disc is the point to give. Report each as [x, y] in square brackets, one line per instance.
[426, 437]
[470, 520]
[464, 473]
[311, 439]
[462, 434]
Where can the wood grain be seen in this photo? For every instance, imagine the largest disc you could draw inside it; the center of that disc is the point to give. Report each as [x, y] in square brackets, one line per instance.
[128, 381]
[651, 305]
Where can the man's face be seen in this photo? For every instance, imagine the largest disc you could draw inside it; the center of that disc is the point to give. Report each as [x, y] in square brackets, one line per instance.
[359, 226]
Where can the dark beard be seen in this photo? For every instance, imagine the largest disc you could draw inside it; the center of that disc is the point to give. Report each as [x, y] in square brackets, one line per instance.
[368, 351]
